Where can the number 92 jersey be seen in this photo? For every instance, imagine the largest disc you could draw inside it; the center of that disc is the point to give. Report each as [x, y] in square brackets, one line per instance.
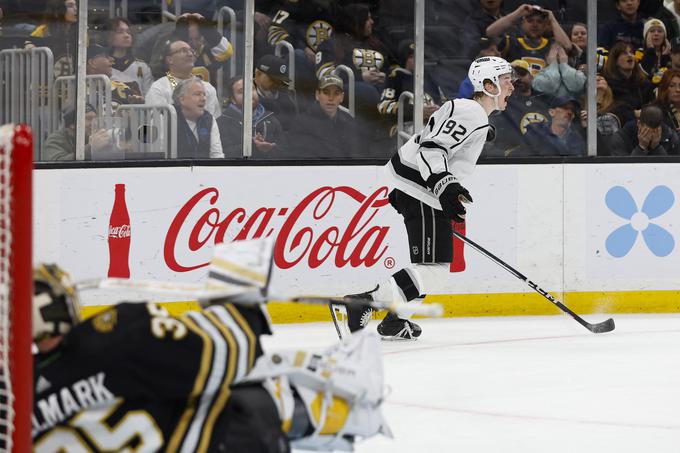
[451, 142]
[134, 378]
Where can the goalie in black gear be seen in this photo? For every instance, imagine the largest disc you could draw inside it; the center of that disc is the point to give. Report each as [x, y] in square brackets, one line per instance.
[134, 377]
[426, 175]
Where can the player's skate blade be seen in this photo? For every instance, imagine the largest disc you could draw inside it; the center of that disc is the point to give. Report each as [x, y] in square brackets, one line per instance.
[393, 328]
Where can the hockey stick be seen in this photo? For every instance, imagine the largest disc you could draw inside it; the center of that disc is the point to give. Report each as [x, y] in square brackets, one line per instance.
[604, 326]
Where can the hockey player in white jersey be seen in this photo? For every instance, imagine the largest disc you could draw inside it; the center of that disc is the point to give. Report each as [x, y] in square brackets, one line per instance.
[426, 175]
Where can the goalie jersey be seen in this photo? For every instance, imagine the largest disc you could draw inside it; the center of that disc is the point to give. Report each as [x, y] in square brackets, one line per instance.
[451, 142]
[134, 378]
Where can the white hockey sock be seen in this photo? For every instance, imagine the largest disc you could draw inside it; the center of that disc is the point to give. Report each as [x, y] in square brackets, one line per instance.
[413, 281]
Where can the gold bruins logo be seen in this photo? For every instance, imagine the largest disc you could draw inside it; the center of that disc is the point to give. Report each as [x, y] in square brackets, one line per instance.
[531, 118]
[318, 32]
[367, 59]
[106, 321]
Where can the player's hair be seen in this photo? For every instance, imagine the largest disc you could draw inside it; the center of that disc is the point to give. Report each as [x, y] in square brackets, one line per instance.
[478, 94]
[182, 87]
[664, 85]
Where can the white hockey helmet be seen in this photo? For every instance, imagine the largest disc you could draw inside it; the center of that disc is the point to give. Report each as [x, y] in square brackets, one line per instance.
[487, 68]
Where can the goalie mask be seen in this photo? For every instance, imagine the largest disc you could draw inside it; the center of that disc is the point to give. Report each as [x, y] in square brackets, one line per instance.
[327, 400]
[55, 302]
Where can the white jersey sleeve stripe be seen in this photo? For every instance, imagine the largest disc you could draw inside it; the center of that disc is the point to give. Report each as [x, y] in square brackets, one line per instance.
[216, 377]
[425, 162]
[225, 317]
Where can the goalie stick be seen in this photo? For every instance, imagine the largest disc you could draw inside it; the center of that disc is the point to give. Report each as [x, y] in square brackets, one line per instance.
[241, 273]
[217, 294]
[604, 326]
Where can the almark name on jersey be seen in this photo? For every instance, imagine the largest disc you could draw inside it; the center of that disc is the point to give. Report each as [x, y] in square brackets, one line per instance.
[67, 401]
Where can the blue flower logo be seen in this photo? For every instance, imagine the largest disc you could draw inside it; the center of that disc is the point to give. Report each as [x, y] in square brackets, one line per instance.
[659, 241]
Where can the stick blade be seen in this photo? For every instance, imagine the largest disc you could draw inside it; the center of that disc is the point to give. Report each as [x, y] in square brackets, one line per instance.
[604, 326]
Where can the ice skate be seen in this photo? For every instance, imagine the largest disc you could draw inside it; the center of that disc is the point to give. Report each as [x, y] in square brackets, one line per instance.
[395, 328]
[358, 314]
[351, 314]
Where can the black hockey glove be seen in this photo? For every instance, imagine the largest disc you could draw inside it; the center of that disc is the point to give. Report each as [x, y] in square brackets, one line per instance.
[451, 195]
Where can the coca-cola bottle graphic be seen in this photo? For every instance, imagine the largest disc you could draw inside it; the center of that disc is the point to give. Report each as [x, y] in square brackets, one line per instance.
[119, 236]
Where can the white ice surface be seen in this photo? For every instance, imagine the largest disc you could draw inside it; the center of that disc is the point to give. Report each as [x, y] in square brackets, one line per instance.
[525, 384]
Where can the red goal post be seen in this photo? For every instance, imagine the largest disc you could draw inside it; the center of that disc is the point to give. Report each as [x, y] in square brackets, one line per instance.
[16, 288]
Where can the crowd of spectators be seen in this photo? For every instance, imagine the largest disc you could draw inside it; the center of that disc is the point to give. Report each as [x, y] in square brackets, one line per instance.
[306, 116]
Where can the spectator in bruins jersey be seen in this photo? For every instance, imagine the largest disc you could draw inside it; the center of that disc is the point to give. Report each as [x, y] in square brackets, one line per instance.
[557, 137]
[178, 59]
[525, 107]
[135, 376]
[400, 80]
[627, 27]
[558, 78]
[58, 32]
[272, 84]
[657, 52]
[305, 24]
[197, 134]
[269, 140]
[625, 77]
[611, 115]
[668, 98]
[211, 48]
[647, 136]
[100, 62]
[532, 45]
[326, 131]
[127, 69]
[354, 45]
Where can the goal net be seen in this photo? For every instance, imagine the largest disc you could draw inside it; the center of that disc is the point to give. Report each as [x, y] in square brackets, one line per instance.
[16, 288]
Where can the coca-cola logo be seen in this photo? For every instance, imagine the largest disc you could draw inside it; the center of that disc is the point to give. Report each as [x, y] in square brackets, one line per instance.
[117, 232]
[350, 240]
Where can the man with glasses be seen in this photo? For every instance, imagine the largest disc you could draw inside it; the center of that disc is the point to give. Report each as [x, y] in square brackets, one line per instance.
[179, 60]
